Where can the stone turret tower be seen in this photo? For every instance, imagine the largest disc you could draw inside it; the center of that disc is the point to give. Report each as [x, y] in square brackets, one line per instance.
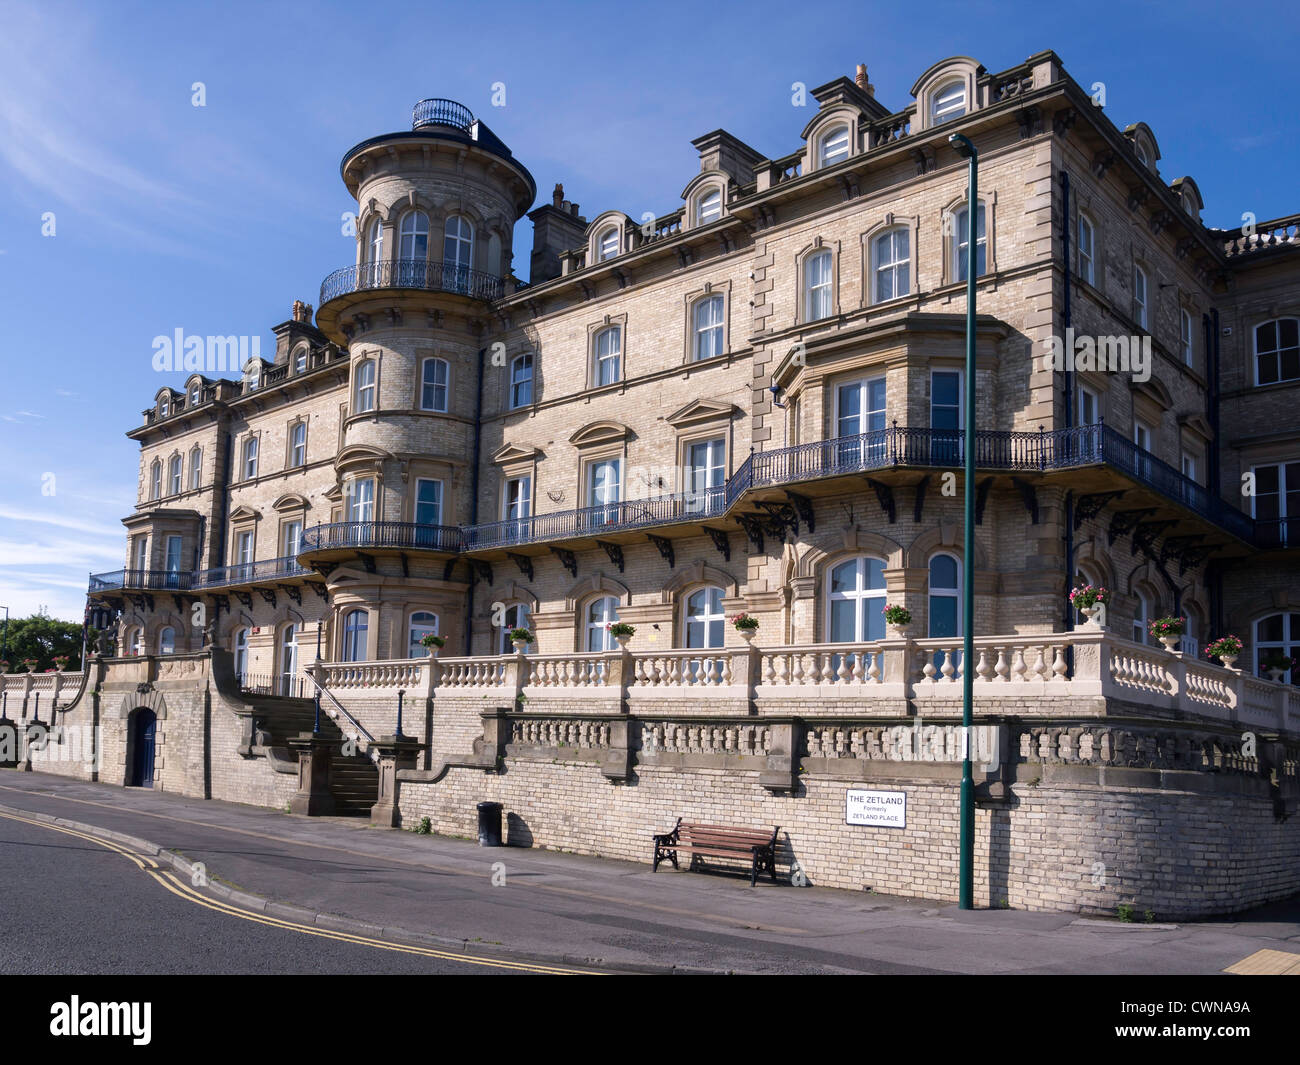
[436, 209]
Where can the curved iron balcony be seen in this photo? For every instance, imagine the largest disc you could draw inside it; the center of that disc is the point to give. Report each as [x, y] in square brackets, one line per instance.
[147, 579]
[414, 274]
[403, 534]
[250, 572]
[440, 112]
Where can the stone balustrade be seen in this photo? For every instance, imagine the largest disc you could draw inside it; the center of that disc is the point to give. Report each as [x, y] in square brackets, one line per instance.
[58, 688]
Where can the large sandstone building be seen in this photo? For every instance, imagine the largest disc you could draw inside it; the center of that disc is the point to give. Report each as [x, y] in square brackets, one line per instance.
[753, 404]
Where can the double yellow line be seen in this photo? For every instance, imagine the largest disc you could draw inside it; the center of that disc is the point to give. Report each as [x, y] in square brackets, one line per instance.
[178, 887]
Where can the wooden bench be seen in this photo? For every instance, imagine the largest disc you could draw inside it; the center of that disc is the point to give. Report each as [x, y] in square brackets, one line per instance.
[754, 845]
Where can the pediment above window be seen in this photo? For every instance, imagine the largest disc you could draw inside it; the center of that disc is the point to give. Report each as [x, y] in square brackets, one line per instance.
[361, 457]
[244, 512]
[595, 433]
[701, 410]
[1198, 424]
[291, 501]
[510, 453]
[1156, 392]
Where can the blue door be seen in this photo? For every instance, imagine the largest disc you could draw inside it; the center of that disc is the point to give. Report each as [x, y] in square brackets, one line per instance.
[142, 744]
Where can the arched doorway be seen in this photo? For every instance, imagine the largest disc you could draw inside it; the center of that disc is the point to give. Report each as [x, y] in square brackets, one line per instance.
[140, 752]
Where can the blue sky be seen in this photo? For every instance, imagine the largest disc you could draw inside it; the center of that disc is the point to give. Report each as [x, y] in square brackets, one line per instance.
[214, 219]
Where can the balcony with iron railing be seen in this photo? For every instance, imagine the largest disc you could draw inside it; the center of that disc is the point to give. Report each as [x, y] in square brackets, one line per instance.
[413, 274]
[897, 447]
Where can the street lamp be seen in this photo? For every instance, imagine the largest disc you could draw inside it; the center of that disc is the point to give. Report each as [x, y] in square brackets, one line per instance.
[966, 839]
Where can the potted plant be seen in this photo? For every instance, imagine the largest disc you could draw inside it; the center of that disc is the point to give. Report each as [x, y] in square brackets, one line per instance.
[29, 664]
[746, 625]
[621, 631]
[433, 643]
[1278, 665]
[897, 618]
[1089, 601]
[1225, 649]
[1168, 630]
[520, 639]
[4, 665]
[61, 662]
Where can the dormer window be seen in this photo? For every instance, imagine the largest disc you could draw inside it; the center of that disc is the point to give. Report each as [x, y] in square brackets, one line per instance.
[164, 407]
[300, 361]
[607, 247]
[948, 102]
[1141, 153]
[834, 146]
[709, 208]
[194, 395]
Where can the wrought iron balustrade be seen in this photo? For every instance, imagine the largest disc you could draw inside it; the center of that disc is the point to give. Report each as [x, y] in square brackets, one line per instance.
[146, 579]
[344, 534]
[249, 572]
[412, 273]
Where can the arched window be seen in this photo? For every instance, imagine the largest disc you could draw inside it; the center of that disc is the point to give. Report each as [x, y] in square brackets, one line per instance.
[708, 327]
[709, 207]
[134, 642]
[241, 653]
[413, 237]
[945, 596]
[433, 385]
[356, 625]
[521, 381]
[607, 245]
[1277, 634]
[891, 265]
[372, 274]
[948, 102]
[855, 594]
[608, 356]
[288, 659]
[600, 614]
[164, 406]
[834, 146]
[365, 387]
[300, 361]
[1087, 250]
[174, 476]
[818, 288]
[516, 616]
[167, 641]
[1277, 351]
[1142, 619]
[961, 234]
[196, 468]
[703, 619]
[252, 375]
[457, 253]
[155, 479]
[195, 393]
[423, 623]
[1190, 643]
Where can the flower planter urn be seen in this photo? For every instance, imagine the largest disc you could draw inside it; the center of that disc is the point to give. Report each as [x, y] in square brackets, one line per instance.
[1091, 614]
[622, 641]
[1276, 675]
[520, 646]
[1170, 642]
[897, 632]
[1229, 661]
[748, 635]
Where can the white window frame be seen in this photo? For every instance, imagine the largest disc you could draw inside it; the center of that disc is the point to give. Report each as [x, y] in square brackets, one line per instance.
[249, 460]
[1289, 644]
[1141, 296]
[942, 592]
[196, 469]
[410, 232]
[1254, 341]
[354, 635]
[711, 616]
[612, 358]
[172, 554]
[417, 630]
[141, 553]
[167, 640]
[1087, 258]
[292, 538]
[708, 336]
[298, 445]
[864, 598]
[596, 614]
[1086, 394]
[517, 498]
[364, 393]
[1187, 335]
[286, 654]
[155, 479]
[819, 290]
[458, 243]
[175, 475]
[437, 503]
[948, 102]
[361, 503]
[607, 244]
[834, 145]
[521, 383]
[708, 208]
[886, 262]
[959, 237]
[429, 389]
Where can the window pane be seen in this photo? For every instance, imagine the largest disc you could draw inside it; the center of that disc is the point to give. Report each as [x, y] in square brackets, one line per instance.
[943, 572]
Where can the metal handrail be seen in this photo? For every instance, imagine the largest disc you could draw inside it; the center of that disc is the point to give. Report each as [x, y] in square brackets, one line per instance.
[361, 729]
[247, 572]
[441, 112]
[412, 273]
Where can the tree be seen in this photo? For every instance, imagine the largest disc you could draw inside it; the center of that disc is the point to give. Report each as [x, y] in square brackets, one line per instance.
[42, 637]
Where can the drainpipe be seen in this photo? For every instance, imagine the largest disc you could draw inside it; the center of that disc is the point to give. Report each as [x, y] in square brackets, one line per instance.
[1214, 571]
[473, 497]
[1069, 409]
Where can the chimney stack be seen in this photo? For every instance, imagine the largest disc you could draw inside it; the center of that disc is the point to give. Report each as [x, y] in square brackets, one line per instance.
[862, 82]
[557, 197]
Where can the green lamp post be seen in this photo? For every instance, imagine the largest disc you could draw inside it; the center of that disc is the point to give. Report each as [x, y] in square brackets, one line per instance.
[966, 841]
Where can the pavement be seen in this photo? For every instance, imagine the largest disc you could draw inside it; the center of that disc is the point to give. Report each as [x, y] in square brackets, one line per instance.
[531, 909]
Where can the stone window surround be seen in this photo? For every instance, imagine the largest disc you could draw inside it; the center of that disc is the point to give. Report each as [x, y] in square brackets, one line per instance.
[354, 389]
[513, 469]
[701, 186]
[695, 296]
[154, 488]
[175, 465]
[587, 461]
[1084, 213]
[822, 126]
[594, 329]
[939, 77]
[298, 514]
[1252, 323]
[245, 523]
[819, 244]
[242, 457]
[721, 427]
[889, 222]
[428, 470]
[196, 468]
[508, 406]
[599, 228]
[482, 228]
[989, 200]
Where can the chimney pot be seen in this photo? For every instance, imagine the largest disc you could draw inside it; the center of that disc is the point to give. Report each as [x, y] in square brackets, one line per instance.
[557, 197]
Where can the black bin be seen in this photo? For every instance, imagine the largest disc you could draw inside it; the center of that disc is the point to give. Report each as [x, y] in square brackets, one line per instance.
[489, 824]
